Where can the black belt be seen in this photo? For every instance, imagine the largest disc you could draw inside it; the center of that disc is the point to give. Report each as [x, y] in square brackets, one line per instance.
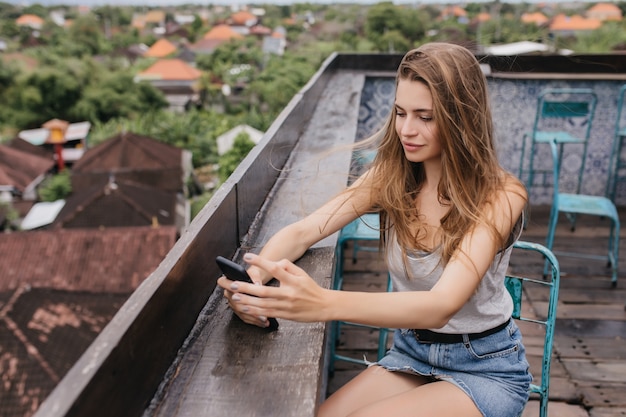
[428, 336]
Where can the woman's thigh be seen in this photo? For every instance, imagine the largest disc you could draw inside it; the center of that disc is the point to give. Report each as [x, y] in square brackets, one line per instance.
[378, 392]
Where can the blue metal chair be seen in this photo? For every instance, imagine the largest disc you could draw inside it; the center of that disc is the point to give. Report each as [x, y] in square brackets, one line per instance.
[572, 204]
[364, 229]
[515, 285]
[617, 169]
[563, 115]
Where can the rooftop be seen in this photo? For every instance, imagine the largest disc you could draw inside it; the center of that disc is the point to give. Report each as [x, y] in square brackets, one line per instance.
[290, 172]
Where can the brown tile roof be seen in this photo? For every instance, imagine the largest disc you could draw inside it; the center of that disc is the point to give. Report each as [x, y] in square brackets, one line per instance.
[19, 169]
[25, 146]
[170, 69]
[130, 157]
[117, 204]
[161, 49]
[222, 32]
[111, 260]
[42, 334]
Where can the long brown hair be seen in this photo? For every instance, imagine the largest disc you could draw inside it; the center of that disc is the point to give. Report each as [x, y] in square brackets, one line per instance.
[471, 173]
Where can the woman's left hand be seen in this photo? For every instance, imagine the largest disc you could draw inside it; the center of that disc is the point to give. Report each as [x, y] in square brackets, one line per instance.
[298, 297]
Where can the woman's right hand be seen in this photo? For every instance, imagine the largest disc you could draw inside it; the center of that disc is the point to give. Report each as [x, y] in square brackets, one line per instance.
[237, 308]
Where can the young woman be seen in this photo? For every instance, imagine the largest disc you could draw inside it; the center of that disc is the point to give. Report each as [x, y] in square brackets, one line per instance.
[450, 214]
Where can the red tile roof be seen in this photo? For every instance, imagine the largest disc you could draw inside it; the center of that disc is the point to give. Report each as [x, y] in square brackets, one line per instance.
[605, 11]
[111, 260]
[161, 49]
[574, 23]
[29, 20]
[222, 32]
[242, 17]
[537, 18]
[170, 69]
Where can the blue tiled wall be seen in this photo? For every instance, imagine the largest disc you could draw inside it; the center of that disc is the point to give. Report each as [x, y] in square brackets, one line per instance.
[514, 105]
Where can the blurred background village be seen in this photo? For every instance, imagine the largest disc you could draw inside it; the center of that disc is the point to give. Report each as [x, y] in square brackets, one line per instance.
[117, 123]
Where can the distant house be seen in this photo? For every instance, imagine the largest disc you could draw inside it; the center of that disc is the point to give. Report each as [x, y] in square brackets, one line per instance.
[115, 203]
[225, 141]
[73, 140]
[275, 43]
[161, 49]
[21, 172]
[242, 21]
[215, 37]
[145, 177]
[30, 20]
[176, 79]
[604, 12]
[536, 18]
[570, 25]
[454, 12]
[136, 159]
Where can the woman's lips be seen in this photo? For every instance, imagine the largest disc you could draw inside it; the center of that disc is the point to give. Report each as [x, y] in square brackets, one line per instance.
[411, 147]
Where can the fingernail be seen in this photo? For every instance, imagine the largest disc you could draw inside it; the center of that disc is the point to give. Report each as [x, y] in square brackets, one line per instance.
[245, 309]
[262, 318]
[234, 286]
[236, 297]
[248, 257]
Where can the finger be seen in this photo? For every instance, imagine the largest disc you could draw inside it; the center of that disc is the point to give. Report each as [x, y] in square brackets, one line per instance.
[280, 270]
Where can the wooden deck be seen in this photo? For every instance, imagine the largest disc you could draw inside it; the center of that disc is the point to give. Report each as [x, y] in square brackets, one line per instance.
[588, 375]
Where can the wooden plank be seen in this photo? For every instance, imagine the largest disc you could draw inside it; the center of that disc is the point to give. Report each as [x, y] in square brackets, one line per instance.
[603, 395]
[590, 348]
[607, 412]
[612, 371]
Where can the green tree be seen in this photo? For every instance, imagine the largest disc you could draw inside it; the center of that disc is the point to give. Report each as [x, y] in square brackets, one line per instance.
[231, 159]
[56, 187]
[117, 95]
[87, 36]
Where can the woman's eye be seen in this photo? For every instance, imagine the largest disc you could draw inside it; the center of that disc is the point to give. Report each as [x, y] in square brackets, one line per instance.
[426, 119]
[400, 114]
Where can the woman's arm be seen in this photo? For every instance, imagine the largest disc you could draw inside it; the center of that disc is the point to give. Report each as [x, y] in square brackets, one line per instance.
[293, 240]
[300, 298]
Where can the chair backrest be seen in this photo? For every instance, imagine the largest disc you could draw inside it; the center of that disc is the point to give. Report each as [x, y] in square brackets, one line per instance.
[516, 286]
[567, 114]
[567, 104]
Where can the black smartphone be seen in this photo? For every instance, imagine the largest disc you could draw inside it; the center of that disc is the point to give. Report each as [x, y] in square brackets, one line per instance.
[236, 272]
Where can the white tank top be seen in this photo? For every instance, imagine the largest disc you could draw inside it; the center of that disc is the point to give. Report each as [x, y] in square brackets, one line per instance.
[490, 306]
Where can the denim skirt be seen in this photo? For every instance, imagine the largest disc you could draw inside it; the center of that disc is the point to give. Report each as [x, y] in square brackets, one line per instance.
[492, 370]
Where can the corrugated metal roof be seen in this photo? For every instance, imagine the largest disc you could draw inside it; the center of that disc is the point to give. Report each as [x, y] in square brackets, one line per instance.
[42, 214]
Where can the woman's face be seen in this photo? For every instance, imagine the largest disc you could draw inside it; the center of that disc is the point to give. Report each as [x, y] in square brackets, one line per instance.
[414, 122]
